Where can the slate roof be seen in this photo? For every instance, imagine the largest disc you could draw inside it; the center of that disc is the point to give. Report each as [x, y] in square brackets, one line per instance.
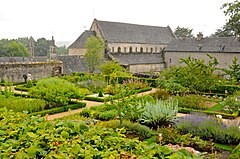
[136, 58]
[215, 44]
[82, 39]
[73, 64]
[115, 32]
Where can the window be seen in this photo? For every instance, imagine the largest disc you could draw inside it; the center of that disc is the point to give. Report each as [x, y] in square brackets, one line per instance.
[146, 49]
[130, 49]
[155, 49]
[112, 49]
[151, 50]
[136, 49]
[125, 49]
[141, 50]
[160, 49]
[170, 60]
[119, 49]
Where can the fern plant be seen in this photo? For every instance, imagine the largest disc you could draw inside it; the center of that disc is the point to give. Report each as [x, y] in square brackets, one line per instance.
[159, 113]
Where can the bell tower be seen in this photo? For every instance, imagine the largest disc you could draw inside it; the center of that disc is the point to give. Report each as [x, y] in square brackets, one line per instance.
[53, 50]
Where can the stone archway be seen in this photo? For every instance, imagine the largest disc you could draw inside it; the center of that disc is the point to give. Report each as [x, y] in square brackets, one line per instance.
[57, 71]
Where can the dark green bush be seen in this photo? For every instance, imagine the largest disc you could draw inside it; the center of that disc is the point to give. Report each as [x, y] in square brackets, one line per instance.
[21, 88]
[85, 112]
[97, 99]
[60, 109]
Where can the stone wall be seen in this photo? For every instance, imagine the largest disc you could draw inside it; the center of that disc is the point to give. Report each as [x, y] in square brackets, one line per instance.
[224, 59]
[14, 71]
[146, 68]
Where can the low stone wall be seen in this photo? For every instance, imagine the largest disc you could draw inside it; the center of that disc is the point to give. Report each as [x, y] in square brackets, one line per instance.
[14, 71]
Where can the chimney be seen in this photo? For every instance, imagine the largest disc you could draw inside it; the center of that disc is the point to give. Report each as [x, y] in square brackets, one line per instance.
[199, 36]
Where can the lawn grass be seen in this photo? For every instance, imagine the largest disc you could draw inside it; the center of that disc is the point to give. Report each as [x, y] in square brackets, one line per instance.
[217, 107]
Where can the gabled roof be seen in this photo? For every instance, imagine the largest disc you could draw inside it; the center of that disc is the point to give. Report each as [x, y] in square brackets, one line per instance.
[136, 58]
[115, 32]
[82, 39]
[215, 44]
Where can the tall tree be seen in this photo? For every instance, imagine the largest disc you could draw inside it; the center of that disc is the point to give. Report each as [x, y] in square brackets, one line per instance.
[17, 49]
[95, 52]
[42, 47]
[225, 31]
[182, 32]
[232, 9]
[234, 70]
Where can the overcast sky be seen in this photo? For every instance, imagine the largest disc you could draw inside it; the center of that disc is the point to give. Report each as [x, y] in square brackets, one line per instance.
[67, 19]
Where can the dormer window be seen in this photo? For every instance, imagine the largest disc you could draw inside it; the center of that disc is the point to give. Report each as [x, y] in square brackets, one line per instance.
[221, 48]
[199, 47]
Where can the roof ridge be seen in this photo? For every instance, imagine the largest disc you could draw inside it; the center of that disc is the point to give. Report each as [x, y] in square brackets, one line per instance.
[133, 24]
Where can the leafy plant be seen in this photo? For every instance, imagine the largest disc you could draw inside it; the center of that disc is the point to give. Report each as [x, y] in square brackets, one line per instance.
[55, 91]
[159, 113]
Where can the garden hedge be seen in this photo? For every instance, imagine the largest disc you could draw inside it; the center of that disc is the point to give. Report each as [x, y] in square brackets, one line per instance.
[60, 109]
[224, 115]
[235, 153]
[98, 99]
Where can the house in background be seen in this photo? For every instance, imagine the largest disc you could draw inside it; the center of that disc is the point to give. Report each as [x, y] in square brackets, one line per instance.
[139, 48]
[224, 49]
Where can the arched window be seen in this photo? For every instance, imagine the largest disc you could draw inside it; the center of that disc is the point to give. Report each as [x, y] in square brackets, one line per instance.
[155, 49]
[151, 50]
[130, 49]
[146, 49]
[136, 49]
[125, 49]
[119, 49]
[141, 50]
[112, 49]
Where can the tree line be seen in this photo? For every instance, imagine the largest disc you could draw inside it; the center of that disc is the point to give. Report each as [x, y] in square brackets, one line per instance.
[21, 47]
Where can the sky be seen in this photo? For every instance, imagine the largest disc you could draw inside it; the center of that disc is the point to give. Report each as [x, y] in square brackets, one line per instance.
[67, 19]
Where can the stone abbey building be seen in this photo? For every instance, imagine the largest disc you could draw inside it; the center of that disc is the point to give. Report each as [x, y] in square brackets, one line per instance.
[139, 48]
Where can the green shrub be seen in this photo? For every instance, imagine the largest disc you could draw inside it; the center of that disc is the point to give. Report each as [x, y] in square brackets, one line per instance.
[21, 88]
[159, 113]
[100, 94]
[191, 101]
[141, 130]
[85, 112]
[107, 115]
[29, 84]
[162, 94]
[55, 91]
[97, 99]
[22, 104]
[59, 109]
